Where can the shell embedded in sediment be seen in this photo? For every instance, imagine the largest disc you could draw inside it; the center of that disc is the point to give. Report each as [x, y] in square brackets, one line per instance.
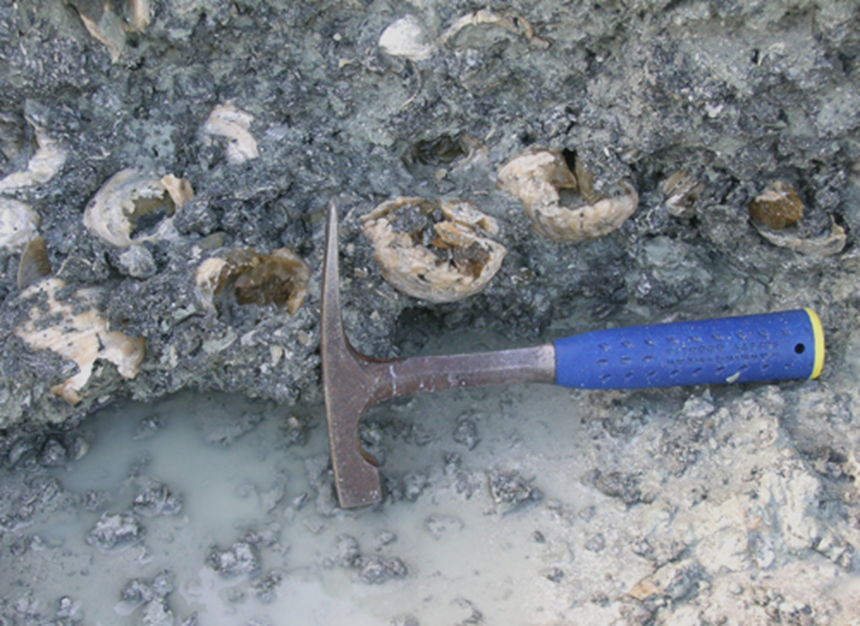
[19, 223]
[77, 331]
[108, 22]
[227, 121]
[407, 38]
[777, 206]
[128, 195]
[776, 214]
[681, 191]
[537, 176]
[279, 277]
[828, 245]
[46, 162]
[509, 21]
[439, 251]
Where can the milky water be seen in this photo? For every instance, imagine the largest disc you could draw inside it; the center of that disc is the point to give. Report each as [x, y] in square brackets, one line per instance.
[476, 560]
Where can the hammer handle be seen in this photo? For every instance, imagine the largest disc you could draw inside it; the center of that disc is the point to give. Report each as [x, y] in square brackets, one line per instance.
[752, 348]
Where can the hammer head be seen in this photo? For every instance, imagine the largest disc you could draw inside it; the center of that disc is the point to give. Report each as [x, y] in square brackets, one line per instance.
[349, 387]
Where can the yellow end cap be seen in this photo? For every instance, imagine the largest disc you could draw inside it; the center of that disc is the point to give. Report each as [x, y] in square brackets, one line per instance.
[818, 335]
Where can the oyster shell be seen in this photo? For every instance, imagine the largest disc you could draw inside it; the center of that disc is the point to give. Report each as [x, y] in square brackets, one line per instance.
[776, 215]
[681, 192]
[537, 176]
[279, 278]
[830, 244]
[18, 224]
[129, 195]
[229, 122]
[777, 206]
[407, 38]
[510, 22]
[108, 22]
[435, 251]
[77, 331]
[34, 264]
[42, 166]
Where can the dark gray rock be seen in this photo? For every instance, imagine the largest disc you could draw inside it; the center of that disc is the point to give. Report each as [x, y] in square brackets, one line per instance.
[510, 490]
[376, 570]
[114, 532]
[155, 498]
[240, 559]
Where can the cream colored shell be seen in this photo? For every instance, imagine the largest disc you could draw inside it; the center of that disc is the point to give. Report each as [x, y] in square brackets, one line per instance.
[536, 176]
[464, 260]
[129, 194]
[79, 333]
[227, 121]
[407, 38]
[18, 224]
[681, 190]
[48, 159]
[830, 244]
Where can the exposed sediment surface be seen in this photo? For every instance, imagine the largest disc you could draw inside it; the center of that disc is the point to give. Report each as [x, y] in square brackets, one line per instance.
[177, 157]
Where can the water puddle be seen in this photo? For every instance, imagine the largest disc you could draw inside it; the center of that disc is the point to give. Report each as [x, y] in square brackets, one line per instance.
[440, 550]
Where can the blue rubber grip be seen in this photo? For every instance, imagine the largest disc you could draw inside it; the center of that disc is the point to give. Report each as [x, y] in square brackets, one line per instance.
[752, 348]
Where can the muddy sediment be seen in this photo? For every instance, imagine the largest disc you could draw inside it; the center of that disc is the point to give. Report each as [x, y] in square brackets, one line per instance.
[246, 120]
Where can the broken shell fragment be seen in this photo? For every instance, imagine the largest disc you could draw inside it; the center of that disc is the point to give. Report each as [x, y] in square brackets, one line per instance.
[42, 166]
[777, 207]
[279, 278]
[537, 176]
[406, 38]
[229, 122]
[510, 22]
[681, 192]
[77, 331]
[108, 22]
[34, 264]
[435, 251]
[130, 197]
[831, 244]
[18, 224]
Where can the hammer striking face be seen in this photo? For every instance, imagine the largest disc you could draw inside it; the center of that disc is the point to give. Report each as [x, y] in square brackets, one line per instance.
[753, 348]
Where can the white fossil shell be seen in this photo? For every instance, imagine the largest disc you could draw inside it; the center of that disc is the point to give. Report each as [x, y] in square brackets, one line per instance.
[435, 251]
[279, 277]
[681, 192]
[229, 122]
[406, 38]
[77, 332]
[42, 166]
[108, 27]
[510, 22]
[130, 194]
[18, 224]
[536, 176]
[831, 244]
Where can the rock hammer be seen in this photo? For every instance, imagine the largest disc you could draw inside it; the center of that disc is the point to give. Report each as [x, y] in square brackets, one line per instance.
[783, 345]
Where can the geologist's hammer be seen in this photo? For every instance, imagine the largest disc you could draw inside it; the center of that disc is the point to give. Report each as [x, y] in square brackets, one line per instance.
[753, 348]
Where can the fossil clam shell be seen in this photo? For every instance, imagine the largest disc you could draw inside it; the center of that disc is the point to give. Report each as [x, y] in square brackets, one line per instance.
[76, 330]
[279, 277]
[407, 38]
[537, 176]
[129, 195]
[18, 224]
[777, 206]
[681, 191]
[828, 245]
[227, 121]
[45, 163]
[437, 251]
[776, 215]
